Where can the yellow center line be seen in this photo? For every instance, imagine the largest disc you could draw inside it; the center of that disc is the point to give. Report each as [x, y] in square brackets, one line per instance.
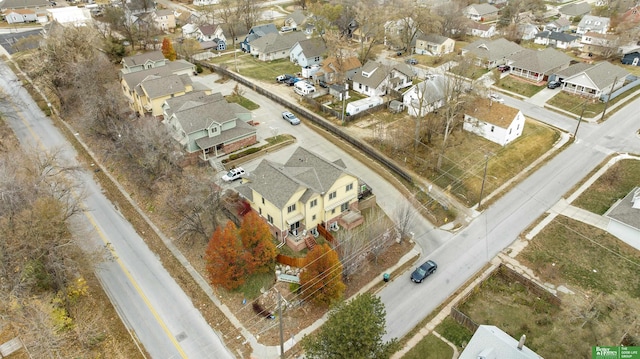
[107, 244]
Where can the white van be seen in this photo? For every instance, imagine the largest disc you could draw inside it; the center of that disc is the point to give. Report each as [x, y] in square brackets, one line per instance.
[303, 88]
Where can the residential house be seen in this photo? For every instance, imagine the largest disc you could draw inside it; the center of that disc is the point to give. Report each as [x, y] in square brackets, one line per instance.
[147, 98]
[594, 43]
[295, 20]
[363, 34]
[527, 31]
[624, 218]
[190, 31]
[255, 33]
[234, 33]
[17, 16]
[574, 10]
[70, 15]
[558, 25]
[396, 33]
[426, 96]
[491, 53]
[207, 125]
[494, 121]
[537, 66]
[631, 56]
[490, 342]
[559, 40]
[481, 12]
[595, 81]
[300, 194]
[186, 17]
[308, 52]
[274, 46]
[333, 70]
[375, 79]
[570, 71]
[434, 45]
[165, 20]
[479, 29]
[24, 4]
[211, 36]
[629, 19]
[143, 61]
[594, 24]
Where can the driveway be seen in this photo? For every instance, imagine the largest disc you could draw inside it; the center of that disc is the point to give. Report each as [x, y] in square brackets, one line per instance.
[543, 96]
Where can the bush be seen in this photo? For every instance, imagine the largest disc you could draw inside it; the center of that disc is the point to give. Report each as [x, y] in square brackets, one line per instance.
[198, 68]
[246, 152]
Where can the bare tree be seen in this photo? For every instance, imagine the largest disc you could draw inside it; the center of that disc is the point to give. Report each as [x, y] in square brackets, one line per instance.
[229, 13]
[249, 11]
[370, 18]
[404, 216]
[452, 23]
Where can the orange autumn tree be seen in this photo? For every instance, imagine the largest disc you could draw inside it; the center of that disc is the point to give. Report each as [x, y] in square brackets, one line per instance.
[225, 258]
[259, 249]
[321, 279]
[167, 50]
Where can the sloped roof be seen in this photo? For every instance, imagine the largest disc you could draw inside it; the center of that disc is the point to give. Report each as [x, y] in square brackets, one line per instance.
[573, 69]
[500, 344]
[313, 47]
[189, 100]
[330, 64]
[540, 61]
[297, 16]
[557, 36]
[13, 4]
[480, 26]
[239, 130]
[158, 86]
[624, 212]
[493, 112]
[200, 112]
[432, 90]
[433, 38]
[140, 59]
[164, 12]
[560, 22]
[273, 42]
[601, 74]
[134, 78]
[576, 9]
[492, 50]
[19, 11]
[484, 8]
[208, 29]
[376, 71]
[594, 22]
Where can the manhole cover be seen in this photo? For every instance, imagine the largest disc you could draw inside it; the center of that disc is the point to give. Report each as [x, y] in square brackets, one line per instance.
[182, 336]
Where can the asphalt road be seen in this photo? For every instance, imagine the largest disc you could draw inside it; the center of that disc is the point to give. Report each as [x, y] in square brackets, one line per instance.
[149, 301]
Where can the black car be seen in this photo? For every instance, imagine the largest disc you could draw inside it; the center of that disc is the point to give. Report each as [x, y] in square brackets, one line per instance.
[422, 272]
[554, 84]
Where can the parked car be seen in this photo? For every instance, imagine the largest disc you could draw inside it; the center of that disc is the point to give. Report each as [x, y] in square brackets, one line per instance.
[411, 61]
[233, 174]
[421, 273]
[291, 118]
[291, 81]
[495, 98]
[554, 84]
[283, 78]
[323, 84]
[504, 68]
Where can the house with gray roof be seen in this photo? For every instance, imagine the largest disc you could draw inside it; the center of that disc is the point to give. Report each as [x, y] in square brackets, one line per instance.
[274, 46]
[426, 96]
[24, 4]
[593, 23]
[559, 40]
[208, 126]
[308, 52]
[295, 20]
[255, 33]
[143, 61]
[375, 79]
[433, 44]
[574, 10]
[596, 80]
[480, 12]
[482, 30]
[558, 25]
[624, 218]
[490, 341]
[491, 53]
[296, 196]
[536, 66]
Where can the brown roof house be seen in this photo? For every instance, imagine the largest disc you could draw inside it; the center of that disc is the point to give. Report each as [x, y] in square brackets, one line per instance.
[494, 121]
[206, 124]
[536, 65]
[334, 70]
[624, 218]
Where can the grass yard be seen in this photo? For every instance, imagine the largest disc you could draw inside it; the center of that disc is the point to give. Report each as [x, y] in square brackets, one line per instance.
[265, 71]
[242, 101]
[454, 332]
[574, 104]
[430, 347]
[469, 71]
[510, 83]
[613, 185]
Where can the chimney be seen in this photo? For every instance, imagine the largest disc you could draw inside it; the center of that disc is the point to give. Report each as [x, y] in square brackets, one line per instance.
[521, 342]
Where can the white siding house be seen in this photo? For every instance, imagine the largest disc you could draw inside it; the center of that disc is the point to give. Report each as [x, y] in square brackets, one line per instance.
[494, 121]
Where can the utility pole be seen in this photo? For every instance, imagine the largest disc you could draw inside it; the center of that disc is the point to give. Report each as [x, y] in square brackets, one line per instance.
[281, 329]
[484, 177]
[344, 99]
[584, 104]
[608, 98]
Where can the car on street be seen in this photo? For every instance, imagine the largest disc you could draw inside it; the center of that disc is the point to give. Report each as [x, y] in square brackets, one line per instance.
[496, 98]
[234, 174]
[554, 84]
[291, 118]
[421, 273]
[504, 68]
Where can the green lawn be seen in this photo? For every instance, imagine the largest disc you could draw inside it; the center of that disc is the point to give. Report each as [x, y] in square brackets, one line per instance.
[454, 332]
[574, 103]
[523, 88]
[430, 347]
[242, 101]
[613, 185]
[265, 71]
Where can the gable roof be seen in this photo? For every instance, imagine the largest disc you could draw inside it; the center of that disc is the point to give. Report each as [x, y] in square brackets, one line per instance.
[180, 103]
[480, 26]
[272, 42]
[134, 78]
[208, 29]
[624, 212]
[540, 61]
[297, 16]
[303, 169]
[489, 339]
[313, 47]
[157, 86]
[431, 90]
[601, 74]
[140, 59]
[560, 22]
[21, 4]
[573, 69]
[199, 112]
[331, 65]
[483, 9]
[376, 71]
[493, 50]
[576, 9]
[164, 12]
[432, 38]
[594, 22]
[557, 36]
[494, 113]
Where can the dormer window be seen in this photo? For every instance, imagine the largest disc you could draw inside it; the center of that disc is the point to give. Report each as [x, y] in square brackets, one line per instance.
[597, 22]
[588, 22]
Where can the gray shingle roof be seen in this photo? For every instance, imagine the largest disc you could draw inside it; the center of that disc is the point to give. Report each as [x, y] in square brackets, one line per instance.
[273, 42]
[594, 23]
[433, 38]
[624, 212]
[190, 99]
[432, 90]
[22, 4]
[197, 115]
[140, 59]
[493, 50]
[602, 74]
[576, 9]
[484, 8]
[557, 36]
[573, 69]
[259, 31]
[134, 78]
[297, 16]
[375, 78]
[241, 129]
[540, 61]
[314, 47]
[158, 86]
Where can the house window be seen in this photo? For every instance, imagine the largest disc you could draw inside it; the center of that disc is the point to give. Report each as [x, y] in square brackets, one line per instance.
[262, 200]
[313, 218]
[269, 219]
[349, 187]
[332, 195]
[359, 86]
[313, 203]
[260, 211]
[291, 208]
[333, 211]
[509, 131]
[344, 207]
[493, 128]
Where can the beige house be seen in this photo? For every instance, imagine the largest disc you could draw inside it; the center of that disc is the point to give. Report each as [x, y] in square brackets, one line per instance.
[434, 45]
[165, 20]
[304, 192]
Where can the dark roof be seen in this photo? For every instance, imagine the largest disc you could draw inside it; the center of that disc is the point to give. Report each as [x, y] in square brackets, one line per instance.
[557, 36]
[22, 4]
[208, 29]
[624, 212]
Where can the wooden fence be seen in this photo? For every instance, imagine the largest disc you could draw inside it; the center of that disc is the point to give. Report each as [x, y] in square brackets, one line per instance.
[326, 234]
[532, 286]
[463, 320]
[298, 262]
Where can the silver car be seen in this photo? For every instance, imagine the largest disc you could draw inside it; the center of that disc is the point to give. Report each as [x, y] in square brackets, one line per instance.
[291, 118]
